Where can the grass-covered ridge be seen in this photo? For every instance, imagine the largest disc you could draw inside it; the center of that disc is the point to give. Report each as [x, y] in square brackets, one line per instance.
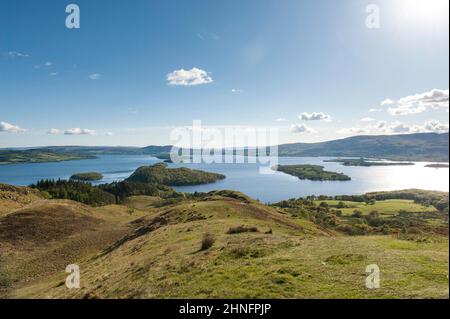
[161, 174]
[90, 176]
[311, 172]
[224, 244]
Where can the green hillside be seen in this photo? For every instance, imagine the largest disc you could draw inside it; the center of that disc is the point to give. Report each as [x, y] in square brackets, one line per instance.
[224, 244]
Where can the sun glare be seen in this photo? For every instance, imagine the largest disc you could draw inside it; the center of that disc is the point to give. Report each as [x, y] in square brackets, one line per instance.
[425, 12]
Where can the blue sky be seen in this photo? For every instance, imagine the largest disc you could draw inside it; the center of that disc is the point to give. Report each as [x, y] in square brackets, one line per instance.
[310, 68]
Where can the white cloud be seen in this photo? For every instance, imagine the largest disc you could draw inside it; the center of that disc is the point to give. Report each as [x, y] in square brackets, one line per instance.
[14, 54]
[95, 76]
[315, 116]
[383, 127]
[367, 119]
[387, 102]
[54, 131]
[10, 128]
[48, 64]
[301, 128]
[192, 77]
[79, 131]
[281, 119]
[236, 91]
[400, 128]
[435, 126]
[418, 103]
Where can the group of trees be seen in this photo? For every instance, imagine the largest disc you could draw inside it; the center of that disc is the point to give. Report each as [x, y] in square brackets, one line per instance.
[74, 190]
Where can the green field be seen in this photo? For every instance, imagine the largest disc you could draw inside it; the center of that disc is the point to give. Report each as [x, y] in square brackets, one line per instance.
[385, 208]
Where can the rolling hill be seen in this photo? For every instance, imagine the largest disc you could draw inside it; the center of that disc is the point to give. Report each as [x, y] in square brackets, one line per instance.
[150, 248]
[419, 147]
[409, 147]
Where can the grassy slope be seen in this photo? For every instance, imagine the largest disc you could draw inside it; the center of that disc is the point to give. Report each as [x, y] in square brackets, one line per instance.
[298, 260]
[12, 197]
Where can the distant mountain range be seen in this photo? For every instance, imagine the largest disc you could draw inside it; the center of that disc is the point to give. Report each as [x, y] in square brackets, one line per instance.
[420, 147]
[409, 147]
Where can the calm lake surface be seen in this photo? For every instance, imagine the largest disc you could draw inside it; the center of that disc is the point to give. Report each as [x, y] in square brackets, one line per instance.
[246, 177]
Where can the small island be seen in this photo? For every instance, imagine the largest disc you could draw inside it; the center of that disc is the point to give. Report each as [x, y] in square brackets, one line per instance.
[161, 174]
[437, 165]
[366, 162]
[311, 172]
[87, 177]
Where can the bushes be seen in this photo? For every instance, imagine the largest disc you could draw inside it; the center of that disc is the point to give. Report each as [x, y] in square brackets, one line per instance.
[242, 229]
[208, 241]
[355, 230]
[357, 214]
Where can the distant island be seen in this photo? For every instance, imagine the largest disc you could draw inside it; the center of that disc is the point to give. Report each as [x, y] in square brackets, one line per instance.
[87, 177]
[366, 162]
[437, 165]
[161, 174]
[38, 156]
[311, 172]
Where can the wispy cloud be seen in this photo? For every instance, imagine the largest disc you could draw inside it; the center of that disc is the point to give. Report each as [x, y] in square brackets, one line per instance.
[194, 76]
[10, 128]
[367, 119]
[281, 119]
[15, 54]
[54, 131]
[315, 116]
[418, 103]
[387, 102]
[79, 131]
[95, 76]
